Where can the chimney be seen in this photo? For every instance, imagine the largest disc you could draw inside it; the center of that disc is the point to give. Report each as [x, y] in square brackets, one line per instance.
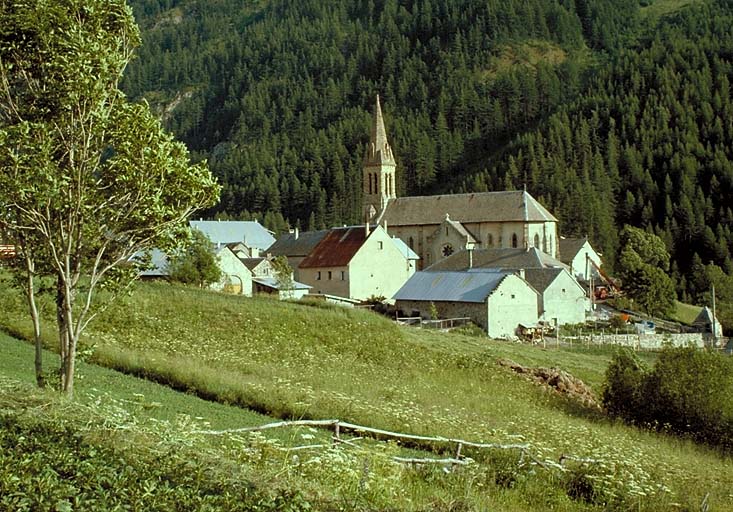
[521, 273]
[366, 230]
[470, 257]
[255, 252]
[297, 232]
[385, 226]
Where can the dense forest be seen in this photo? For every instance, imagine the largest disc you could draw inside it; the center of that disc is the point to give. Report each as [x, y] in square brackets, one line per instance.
[609, 111]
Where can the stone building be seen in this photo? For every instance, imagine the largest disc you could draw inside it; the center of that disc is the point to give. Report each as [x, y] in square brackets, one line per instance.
[436, 226]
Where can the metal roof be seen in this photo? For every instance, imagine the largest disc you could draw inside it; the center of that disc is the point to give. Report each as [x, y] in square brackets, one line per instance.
[337, 248]
[503, 206]
[251, 233]
[272, 282]
[405, 249]
[451, 286]
[158, 262]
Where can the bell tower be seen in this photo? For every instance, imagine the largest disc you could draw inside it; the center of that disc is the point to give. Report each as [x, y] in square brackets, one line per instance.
[378, 169]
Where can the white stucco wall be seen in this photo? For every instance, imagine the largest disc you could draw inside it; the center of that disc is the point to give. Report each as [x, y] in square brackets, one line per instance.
[378, 268]
[326, 280]
[512, 302]
[564, 300]
[582, 269]
[233, 272]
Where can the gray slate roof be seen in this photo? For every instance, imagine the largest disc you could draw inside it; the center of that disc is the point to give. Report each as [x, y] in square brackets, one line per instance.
[569, 247]
[498, 258]
[303, 245]
[504, 206]
[451, 286]
[252, 233]
[541, 278]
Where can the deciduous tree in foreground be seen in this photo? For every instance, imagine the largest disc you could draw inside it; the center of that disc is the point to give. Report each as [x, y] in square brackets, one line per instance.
[88, 179]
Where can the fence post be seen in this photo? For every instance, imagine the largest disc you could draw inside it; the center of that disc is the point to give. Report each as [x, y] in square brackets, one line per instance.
[336, 433]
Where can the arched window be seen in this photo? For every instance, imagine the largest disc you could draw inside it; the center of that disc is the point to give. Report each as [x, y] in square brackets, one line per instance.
[370, 183]
[537, 240]
[411, 243]
[491, 240]
[514, 240]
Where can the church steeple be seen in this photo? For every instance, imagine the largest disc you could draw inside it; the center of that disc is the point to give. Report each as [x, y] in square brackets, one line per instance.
[379, 169]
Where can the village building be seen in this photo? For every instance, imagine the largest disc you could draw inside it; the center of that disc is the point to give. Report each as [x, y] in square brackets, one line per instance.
[292, 290]
[296, 246]
[251, 235]
[498, 301]
[562, 300]
[436, 226]
[706, 322]
[357, 262]
[578, 254]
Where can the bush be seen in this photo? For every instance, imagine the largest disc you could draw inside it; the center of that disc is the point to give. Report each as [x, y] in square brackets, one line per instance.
[689, 391]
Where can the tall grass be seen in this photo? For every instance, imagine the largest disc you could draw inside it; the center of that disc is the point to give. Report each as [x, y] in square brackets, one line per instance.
[291, 360]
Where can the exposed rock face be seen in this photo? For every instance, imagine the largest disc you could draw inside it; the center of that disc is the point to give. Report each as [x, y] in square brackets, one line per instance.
[559, 380]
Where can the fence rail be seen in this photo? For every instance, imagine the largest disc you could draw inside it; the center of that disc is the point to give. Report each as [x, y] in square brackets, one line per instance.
[441, 324]
[424, 442]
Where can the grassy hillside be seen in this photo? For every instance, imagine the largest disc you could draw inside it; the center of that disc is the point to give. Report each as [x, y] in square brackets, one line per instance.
[311, 362]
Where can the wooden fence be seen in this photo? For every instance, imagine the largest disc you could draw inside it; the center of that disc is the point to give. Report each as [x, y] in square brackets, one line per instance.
[441, 324]
[421, 442]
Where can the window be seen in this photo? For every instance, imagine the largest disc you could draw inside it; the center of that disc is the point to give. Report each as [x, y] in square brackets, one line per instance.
[513, 296]
[329, 275]
[536, 240]
[380, 245]
[514, 240]
[491, 240]
[343, 275]
[411, 243]
[318, 275]
[447, 250]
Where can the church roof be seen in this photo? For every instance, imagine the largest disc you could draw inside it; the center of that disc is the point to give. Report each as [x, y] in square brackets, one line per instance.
[297, 244]
[451, 286]
[378, 150]
[569, 247]
[498, 258]
[336, 248]
[504, 206]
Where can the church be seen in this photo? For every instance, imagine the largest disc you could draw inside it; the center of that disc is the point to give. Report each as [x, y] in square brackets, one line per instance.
[435, 227]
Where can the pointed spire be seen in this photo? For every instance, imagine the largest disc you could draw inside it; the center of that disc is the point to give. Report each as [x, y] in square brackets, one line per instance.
[378, 151]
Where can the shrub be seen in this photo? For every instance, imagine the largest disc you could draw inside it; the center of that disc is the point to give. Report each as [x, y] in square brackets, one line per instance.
[688, 391]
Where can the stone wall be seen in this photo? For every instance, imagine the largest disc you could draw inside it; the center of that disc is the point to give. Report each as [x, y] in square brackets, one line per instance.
[647, 341]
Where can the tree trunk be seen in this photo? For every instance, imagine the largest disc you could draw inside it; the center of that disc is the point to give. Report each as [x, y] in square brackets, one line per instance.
[66, 376]
[33, 307]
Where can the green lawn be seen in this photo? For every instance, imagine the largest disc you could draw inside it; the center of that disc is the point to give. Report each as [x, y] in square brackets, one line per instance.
[295, 361]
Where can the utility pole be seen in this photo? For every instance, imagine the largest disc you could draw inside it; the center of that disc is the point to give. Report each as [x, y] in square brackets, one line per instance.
[715, 341]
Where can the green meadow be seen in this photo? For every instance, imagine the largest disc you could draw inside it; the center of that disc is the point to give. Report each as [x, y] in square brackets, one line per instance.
[310, 361]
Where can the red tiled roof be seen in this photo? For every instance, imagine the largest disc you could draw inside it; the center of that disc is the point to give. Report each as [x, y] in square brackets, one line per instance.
[336, 249]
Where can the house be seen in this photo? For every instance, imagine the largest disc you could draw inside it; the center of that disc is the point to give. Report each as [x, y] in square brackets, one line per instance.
[236, 277]
[579, 255]
[271, 285]
[296, 246]
[562, 300]
[357, 262]
[496, 300]
[252, 236]
[505, 219]
[706, 322]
